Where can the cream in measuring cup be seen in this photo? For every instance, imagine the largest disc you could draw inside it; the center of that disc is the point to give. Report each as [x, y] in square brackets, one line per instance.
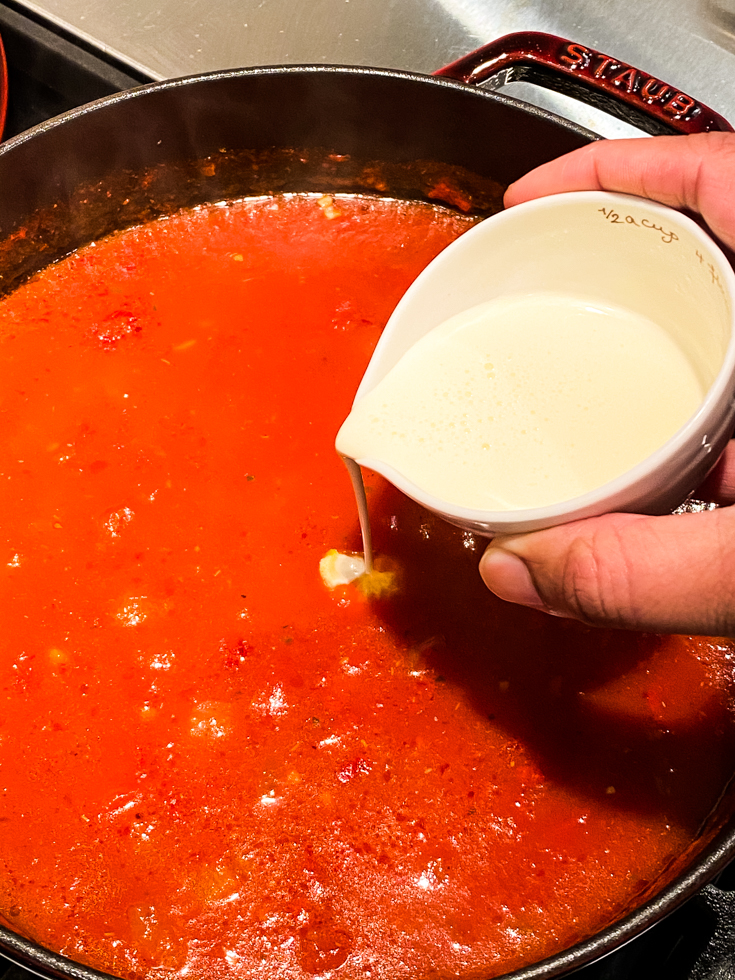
[525, 401]
[572, 356]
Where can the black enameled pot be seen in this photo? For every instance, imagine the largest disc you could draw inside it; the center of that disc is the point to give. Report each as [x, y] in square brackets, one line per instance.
[149, 151]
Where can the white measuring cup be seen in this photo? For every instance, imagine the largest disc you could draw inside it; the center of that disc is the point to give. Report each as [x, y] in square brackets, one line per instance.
[608, 249]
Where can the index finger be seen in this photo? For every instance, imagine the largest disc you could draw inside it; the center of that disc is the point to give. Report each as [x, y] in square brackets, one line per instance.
[694, 172]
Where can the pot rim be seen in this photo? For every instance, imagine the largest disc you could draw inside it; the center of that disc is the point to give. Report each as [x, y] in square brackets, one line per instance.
[171, 84]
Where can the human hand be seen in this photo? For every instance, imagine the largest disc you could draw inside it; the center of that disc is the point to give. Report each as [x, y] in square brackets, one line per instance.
[696, 173]
[673, 574]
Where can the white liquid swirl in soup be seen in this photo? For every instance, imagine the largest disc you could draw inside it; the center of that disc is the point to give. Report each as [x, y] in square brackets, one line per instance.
[525, 401]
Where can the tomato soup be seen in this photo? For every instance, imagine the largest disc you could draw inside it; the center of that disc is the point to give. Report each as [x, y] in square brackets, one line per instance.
[211, 764]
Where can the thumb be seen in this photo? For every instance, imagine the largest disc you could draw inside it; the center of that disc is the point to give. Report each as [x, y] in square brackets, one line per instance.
[673, 574]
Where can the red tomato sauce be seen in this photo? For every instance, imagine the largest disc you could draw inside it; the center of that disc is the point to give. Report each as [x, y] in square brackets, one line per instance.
[212, 765]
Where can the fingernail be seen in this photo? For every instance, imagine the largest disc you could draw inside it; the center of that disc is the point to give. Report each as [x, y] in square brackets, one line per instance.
[507, 576]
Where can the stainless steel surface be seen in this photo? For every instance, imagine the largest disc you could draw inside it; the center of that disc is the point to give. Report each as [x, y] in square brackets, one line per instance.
[687, 43]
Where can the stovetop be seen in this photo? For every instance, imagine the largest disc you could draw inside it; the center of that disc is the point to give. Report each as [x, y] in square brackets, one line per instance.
[688, 43]
[49, 72]
[60, 55]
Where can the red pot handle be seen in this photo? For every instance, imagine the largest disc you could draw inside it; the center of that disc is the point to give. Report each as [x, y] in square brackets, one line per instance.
[587, 75]
[3, 87]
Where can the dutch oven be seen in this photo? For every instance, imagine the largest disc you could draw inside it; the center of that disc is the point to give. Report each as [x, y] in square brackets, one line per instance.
[152, 150]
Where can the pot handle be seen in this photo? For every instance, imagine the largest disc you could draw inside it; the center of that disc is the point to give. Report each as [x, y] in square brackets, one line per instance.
[589, 76]
[717, 960]
[3, 88]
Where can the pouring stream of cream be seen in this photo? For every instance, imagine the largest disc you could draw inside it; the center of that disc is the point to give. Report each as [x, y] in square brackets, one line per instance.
[358, 485]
